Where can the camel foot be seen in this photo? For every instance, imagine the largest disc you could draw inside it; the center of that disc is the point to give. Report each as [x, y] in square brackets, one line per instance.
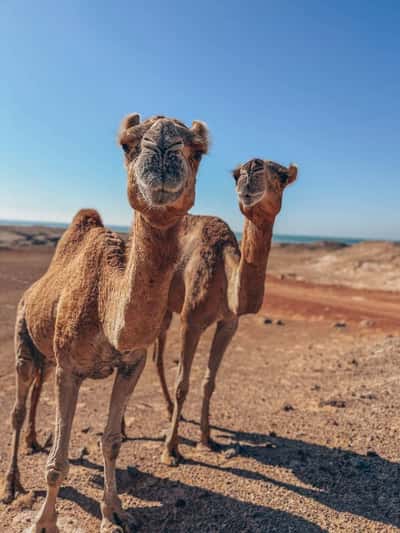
[208, 446]
[43, 527]
[116, 520]
[32, 447]
[171, 458]
[12, 486]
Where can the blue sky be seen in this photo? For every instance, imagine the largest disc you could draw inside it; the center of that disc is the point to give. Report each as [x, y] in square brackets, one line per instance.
[308, 81]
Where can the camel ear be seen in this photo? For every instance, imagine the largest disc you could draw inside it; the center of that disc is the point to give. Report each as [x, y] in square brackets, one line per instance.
[236, 173]
[125, 136]
[130, 120]
[200, 135]
[292, 173]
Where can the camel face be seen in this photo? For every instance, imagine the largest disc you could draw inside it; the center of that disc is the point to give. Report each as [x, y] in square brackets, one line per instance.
[162, 157]
[261, 183]
[161, 169]
[251, 184]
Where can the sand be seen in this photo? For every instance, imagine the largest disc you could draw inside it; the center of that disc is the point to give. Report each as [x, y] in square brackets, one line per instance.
[306, 408]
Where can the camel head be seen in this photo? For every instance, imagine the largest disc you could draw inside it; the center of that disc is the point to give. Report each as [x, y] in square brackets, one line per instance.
[162, 157]
[260, 185]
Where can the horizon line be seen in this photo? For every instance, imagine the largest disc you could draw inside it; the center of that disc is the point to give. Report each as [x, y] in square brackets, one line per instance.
[56, 223]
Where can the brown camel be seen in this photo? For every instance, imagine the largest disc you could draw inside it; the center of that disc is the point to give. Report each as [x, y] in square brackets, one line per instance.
[101, 304]
[212, 283]
[215, 282]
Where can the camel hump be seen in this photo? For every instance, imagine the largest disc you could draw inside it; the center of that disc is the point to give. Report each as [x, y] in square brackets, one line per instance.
[86, 219]
[83, 222]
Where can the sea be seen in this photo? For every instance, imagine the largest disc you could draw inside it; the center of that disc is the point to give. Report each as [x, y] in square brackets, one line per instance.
[277, 237]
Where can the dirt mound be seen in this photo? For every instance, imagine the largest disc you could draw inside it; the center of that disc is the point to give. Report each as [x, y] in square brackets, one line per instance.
[19, 236]
[367, 265]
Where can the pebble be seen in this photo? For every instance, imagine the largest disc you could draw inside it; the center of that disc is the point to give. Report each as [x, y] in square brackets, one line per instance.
[288, 407]
[333, 403]
[367, 323]
[339, 325]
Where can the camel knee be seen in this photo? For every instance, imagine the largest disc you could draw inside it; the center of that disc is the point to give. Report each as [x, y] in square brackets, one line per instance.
[182, 390]
[56, 473]
[18, 416]
[111, 444]
[208, 386]
[26, 369]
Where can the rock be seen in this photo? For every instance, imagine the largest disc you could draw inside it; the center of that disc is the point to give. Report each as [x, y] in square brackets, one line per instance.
[367, 323]
[333, 403]
[83, 452]
[372, 453]
[267, 320]
[279, 322]
[232, 452]
[86, 429]
[340, 324]
[288, 407]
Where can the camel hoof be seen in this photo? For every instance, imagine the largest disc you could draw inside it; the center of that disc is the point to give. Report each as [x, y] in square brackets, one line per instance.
[33, 447]
[12, 486]
[121, 522]
[171, 458]
[43, 527]
[116, 520]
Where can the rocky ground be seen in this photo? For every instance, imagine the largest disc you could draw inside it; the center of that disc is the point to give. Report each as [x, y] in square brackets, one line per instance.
[306, 412]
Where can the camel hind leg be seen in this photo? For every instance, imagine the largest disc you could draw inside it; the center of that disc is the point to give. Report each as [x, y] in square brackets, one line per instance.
[158, 360]
[224, 332]
[26, 371]
[32, 444]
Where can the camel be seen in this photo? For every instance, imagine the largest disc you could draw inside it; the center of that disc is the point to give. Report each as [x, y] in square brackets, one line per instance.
[101, 304]
[209, 263]
[215, 282]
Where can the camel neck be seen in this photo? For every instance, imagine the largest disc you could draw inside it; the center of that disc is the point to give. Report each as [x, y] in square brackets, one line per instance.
[255, 248]
[143, 289]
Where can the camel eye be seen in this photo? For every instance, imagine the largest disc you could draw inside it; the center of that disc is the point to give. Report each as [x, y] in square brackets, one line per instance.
[283, 178]
[196, 156]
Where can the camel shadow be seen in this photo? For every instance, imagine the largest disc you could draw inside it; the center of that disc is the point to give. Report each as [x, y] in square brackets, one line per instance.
[173, 506]
[368, 486]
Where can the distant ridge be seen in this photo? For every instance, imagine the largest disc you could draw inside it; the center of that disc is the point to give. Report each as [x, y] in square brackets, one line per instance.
[278, 238]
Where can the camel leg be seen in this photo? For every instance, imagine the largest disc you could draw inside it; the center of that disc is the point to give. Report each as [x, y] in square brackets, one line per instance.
[67, 389]
[224, 332]
[190, 339]
[115, 519]
[25, 374]
[158, 360]
[32, 444]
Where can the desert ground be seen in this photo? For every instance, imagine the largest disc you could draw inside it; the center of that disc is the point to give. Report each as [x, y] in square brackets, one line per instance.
[306, 410]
